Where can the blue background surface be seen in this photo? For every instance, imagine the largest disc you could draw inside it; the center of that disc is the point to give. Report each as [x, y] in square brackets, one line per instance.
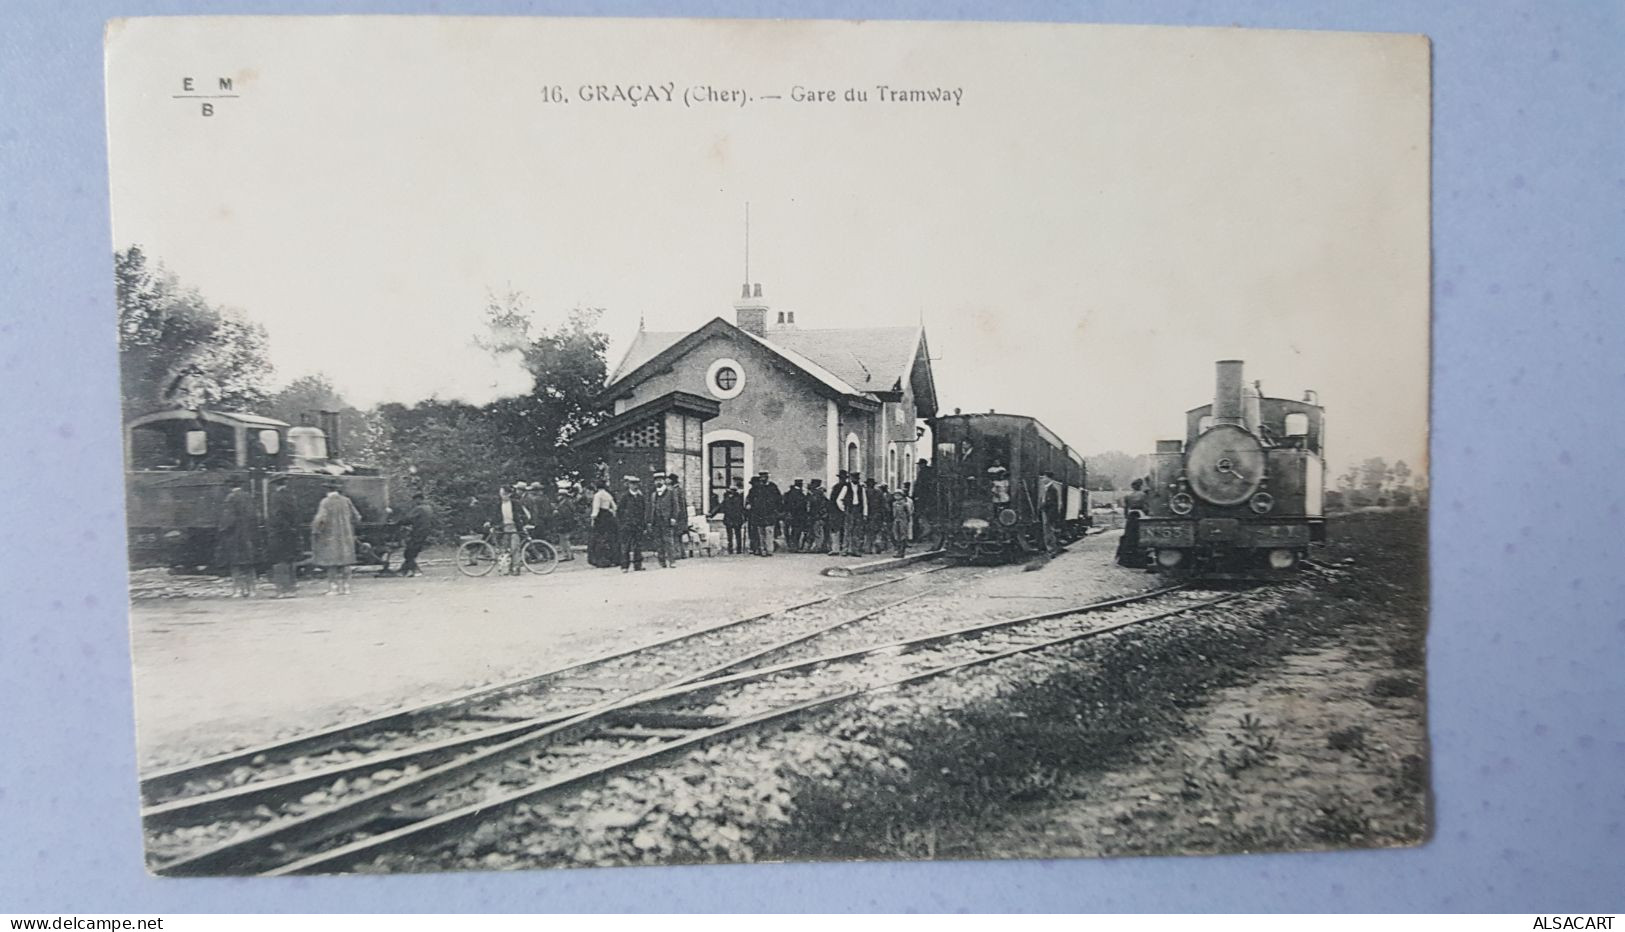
[1526, 666]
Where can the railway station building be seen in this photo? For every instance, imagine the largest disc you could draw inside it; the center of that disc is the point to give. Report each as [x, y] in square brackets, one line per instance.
[800, 404]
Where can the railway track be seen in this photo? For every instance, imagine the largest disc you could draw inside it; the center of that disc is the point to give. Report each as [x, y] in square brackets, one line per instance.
[294, 776]
[413, 810]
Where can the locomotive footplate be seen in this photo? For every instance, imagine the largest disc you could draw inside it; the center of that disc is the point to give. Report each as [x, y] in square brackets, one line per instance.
[1230, 532]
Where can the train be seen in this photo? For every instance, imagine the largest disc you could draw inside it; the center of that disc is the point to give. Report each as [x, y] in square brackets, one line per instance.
[1241, 497]
[989, 480]
[179, 465]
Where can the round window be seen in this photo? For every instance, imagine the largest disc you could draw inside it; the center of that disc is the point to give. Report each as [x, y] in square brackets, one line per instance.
[725, 378]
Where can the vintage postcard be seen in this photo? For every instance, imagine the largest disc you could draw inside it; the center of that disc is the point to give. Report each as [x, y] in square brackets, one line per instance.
[572, 442]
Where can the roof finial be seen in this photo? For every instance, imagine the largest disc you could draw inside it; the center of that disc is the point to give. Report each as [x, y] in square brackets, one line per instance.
[640, 321]
[747, 242]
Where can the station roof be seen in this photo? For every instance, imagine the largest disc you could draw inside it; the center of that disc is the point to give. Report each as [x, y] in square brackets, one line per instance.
[684, 402]
[858, 362]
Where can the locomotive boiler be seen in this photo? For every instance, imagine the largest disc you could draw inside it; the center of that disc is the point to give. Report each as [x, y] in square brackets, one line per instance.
[1241, 496]
[991, 477]
[180, 464]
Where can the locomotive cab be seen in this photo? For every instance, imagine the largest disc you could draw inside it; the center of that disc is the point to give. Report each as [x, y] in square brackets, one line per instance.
[1241, 496]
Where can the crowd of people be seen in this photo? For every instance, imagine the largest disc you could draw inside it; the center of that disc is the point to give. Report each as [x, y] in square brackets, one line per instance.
[333, 545]
[854, 517]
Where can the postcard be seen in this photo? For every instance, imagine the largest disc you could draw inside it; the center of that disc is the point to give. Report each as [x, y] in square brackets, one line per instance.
[1071, 380]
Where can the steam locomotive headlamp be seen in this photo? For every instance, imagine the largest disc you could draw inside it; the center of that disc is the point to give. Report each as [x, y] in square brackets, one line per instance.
[1283, 559]
[1261, 503]
[1168, 559]
[974, 524]
[1007, 517]
[1181, 503]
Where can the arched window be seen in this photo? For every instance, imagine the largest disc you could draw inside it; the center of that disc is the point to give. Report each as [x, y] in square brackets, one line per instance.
[853, 464]
[726, 462]
[891, 468]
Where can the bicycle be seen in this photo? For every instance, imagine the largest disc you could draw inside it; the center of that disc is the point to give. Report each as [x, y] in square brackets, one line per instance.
[478, 556]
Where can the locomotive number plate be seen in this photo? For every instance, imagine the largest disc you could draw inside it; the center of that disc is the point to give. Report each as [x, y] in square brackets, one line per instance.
[1168, 534]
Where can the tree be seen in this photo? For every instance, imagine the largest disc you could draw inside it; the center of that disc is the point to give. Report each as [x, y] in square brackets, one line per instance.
[569, 368]
[451, 452]
[458, 454]
[1349, 481]
[1373, 476]
[1400, 492]
[1114, 469]
[177, 350]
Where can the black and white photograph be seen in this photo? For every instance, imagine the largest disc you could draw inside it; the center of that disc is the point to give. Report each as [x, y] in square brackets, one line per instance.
[591, 443]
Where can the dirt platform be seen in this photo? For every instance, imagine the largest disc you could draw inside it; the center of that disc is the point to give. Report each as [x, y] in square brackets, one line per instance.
[213, 674]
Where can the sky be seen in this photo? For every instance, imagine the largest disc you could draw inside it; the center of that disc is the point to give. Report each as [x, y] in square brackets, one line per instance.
[1085, 222]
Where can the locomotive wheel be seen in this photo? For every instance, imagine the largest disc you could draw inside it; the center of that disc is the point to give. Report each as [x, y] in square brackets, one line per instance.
[540, 557]
[476, 558]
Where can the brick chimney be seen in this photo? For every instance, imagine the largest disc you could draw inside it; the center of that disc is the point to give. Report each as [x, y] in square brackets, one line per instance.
[750, 311]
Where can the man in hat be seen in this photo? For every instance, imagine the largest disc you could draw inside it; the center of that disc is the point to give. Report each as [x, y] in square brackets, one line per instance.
[632, 510]
[817, 513]
[837, 513]
[287, 537]
[855, 512]
[902, 520]
[732, 508]
[569, 513]
[795, 517]
[665, 515]
[775, 499]
[675, 483]
[540, 508]
[236, 540]
[874, 517]
[511, 515]
[762, 510]
[419, 524]
[1049, 497]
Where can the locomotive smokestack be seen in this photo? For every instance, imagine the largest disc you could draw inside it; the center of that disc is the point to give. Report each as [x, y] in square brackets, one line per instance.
[330, 427]
[1227, 407]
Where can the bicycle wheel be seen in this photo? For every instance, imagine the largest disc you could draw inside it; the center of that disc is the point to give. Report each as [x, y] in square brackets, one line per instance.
[540, 557]
[476, 558]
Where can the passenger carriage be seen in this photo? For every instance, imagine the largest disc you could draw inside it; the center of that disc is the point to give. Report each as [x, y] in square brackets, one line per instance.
[989, 486]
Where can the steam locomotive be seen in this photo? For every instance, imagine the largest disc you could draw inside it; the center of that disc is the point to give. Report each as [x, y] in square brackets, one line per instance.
[180, 464]
[1241, 497]
[989, 486]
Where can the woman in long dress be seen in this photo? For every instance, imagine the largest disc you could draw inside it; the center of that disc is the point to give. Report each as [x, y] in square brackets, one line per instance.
[332, 536]
[603, 549]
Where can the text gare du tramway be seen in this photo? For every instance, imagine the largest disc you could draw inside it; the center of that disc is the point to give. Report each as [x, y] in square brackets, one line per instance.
[635, 95]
